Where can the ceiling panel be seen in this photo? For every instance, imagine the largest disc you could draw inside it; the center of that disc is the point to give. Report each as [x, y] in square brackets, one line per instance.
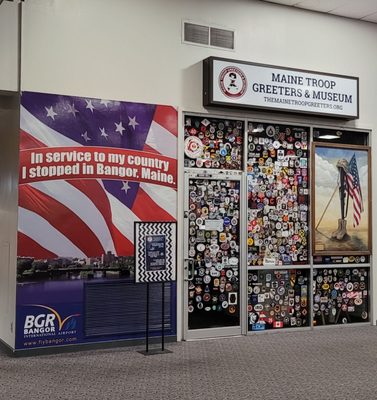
[371, 18]
[321, 5]
[357, 9]
[285, 2]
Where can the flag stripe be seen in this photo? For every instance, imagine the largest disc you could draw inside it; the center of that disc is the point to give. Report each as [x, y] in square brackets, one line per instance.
[162, 141]
[94, 190]
[42, 132]
[62, 219]
[149, 149]
[354, 190]
[154, 213]
[167, 117]
[82, 207]
[42, 232]
[29, 142]
[27, 247]
[123, 217]
[163, 196]
[123, 245]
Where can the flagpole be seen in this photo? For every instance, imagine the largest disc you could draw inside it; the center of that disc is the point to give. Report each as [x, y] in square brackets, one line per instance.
[327, 206]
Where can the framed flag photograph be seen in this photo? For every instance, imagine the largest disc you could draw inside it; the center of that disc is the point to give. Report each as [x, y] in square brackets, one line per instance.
[155, 252]
[341, 199]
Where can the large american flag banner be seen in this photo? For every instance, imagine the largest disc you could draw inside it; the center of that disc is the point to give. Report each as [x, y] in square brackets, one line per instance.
[354, 190]
[89, 169]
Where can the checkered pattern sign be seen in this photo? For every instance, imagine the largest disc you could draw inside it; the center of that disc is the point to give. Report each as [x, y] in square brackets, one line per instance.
[155, 258]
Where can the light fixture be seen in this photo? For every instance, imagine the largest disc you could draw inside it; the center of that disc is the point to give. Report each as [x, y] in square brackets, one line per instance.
[258, 129]
[330, 136]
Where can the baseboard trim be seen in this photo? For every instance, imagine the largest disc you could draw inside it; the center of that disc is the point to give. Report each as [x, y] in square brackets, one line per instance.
[73, 348]
[4, 347]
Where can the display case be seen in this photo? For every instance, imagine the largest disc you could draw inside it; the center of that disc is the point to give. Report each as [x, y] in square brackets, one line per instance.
[278, 194]
[340, 295]
[214, 251]
[278, 299]
[281, 279]
[213, 143]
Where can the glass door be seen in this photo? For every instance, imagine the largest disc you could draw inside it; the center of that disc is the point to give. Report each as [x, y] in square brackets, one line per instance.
[213, 254]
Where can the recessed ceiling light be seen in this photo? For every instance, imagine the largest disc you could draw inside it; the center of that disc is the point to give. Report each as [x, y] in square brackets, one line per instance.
[328, 136]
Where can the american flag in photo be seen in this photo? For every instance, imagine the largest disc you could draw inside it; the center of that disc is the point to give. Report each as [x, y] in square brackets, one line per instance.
[354, 190]
[88, 217]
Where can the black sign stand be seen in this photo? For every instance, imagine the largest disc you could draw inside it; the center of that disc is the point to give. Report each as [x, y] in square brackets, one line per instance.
[155, 259]
[163, 317]
[147, 323]
[147, 351]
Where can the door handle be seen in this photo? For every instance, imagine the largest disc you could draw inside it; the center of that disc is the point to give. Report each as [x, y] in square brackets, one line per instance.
[189, 269]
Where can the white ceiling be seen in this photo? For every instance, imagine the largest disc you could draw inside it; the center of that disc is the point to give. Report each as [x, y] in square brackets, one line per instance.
[365, 10]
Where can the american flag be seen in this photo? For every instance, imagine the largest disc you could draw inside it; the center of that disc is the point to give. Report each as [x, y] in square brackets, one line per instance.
[354, 190]
[89, 217]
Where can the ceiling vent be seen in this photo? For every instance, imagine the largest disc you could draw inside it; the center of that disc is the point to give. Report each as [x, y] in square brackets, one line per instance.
[194, 33]
[206, 35]
[222, 38]
[17, 1]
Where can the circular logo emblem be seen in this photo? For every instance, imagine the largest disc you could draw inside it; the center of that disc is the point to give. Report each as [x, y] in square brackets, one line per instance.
[233, 82]
[258, 307]
[193, 147]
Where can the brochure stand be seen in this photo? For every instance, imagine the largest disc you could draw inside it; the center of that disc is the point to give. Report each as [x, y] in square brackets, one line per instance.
[155, 263]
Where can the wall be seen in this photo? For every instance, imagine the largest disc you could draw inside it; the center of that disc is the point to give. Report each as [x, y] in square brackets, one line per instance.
[9, 117]
[122, 49]
[9, 46]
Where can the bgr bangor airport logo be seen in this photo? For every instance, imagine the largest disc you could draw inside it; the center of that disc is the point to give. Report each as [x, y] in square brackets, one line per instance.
[49, 323]
[232, 82]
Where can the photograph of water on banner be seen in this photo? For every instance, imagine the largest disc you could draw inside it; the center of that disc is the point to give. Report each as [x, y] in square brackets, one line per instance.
[278, 194]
